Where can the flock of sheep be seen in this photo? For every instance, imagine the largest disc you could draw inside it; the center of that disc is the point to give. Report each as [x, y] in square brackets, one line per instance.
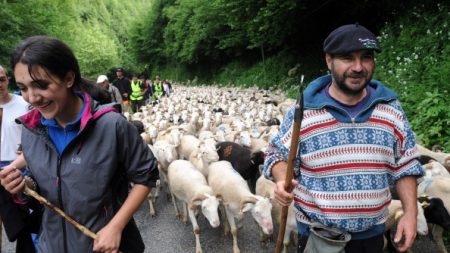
[210, 143]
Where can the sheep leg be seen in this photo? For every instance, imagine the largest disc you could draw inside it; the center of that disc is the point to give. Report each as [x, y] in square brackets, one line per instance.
[150, 203]
[234, 230]
[437, 232]
[198, 246]
[226, 228]
[185, 211]
[157, 189]
[174, 201]
[286, 240]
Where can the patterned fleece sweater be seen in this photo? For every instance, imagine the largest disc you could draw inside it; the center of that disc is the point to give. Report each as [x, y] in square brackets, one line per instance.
[347, 164]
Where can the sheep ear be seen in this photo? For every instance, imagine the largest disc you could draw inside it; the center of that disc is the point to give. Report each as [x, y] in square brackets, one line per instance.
[398, 214]
[247, 207]
[247, 204]
[196, 203]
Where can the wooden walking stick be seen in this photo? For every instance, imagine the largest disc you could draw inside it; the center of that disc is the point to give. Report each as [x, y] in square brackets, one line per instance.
[60, 212]
[44, 201]
[295, 145]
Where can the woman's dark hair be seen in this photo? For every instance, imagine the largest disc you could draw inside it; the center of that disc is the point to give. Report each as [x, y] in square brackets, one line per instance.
[58, 59]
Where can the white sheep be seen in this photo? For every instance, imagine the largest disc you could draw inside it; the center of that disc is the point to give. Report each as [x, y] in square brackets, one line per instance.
[395, 210]
[434, 168]
[165, 153]
[265, 187]
[202, 157]
[188, 144]
[189, 185]
[237, 199]
[443, 158]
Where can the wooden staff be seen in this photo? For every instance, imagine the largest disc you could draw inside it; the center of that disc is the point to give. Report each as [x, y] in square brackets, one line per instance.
[44, 201]
[295, 145]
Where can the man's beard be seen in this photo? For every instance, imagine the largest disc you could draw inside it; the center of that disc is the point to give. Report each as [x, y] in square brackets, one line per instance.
[340, 82]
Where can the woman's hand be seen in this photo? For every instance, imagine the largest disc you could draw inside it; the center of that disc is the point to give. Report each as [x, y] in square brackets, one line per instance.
[108, 240]
[12, 180]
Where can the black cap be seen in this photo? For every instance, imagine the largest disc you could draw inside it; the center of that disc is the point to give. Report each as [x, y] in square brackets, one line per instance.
[119, 69]
[350, 38]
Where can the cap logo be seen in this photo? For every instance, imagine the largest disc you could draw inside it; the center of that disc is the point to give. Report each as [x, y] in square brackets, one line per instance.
[368, 43]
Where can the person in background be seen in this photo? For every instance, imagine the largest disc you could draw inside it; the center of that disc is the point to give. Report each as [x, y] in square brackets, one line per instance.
[137, 94]
[355, 141]
[145, 85]
[150, 90]
[166, 88]
[112, 90]
[158, 89]
[19, 223]
[124, 86]
[68, 140]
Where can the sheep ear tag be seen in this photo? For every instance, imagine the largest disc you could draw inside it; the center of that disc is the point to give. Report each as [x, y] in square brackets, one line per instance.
[424, 204]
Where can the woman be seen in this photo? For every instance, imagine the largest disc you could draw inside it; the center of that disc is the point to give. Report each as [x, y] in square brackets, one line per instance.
[82, 154]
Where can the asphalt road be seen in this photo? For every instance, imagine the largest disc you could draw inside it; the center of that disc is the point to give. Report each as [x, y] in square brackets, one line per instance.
[165, 234]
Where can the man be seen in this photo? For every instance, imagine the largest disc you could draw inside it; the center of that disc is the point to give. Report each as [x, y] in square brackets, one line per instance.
[355, 142]
[158, 88]
[16, 218]
[113, 91]
[137, 94]
[124, 86]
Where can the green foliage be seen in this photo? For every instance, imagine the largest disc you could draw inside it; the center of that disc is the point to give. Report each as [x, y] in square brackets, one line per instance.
[418, 69]
[97, 31]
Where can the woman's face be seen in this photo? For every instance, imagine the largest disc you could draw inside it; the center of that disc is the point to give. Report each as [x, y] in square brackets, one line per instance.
[48, 94]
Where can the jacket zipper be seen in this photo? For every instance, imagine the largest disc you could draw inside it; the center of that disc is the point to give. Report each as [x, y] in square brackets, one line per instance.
[58, 174]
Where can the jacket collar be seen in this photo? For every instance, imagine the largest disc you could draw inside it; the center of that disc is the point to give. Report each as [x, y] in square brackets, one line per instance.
[313, 99]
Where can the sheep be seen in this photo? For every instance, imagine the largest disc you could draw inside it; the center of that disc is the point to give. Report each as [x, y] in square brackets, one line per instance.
[165, 153]
[441, 157]
[188, 144]
[237, 199]
[265, 187]
[422, 243]
[437, 186]
[204, 155]
[434, 168]
[189, 185]
[255, 144]
[173, 135]
[434, 211]
[395, 209]
[243, 160]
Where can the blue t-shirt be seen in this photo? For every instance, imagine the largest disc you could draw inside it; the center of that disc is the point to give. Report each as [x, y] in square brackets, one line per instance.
[60, 136]
[352, 110]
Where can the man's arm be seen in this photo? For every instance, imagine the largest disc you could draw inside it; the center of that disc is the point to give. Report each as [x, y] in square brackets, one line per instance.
[407, 190]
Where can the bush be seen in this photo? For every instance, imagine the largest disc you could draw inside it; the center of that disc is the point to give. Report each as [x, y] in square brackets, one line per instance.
[416, 64]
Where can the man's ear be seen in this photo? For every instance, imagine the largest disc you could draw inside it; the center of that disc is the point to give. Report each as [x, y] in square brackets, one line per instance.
[69, 79]
[328, 59]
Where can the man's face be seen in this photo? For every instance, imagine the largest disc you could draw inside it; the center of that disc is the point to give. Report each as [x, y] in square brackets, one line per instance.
[3, 84]
[105, 84]
[353, 71]
[119, 74]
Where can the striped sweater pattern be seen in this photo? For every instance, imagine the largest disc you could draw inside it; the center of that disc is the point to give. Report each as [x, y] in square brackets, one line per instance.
[347, 168]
